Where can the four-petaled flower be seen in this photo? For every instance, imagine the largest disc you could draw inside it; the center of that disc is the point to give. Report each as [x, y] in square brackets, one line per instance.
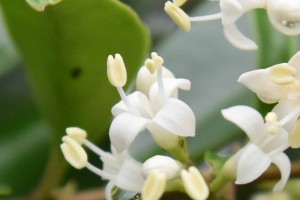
[159, 111]
[120, 169]
[267, 143]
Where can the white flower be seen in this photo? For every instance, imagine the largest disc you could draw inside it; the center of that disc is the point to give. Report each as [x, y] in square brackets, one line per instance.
[283, 14]
[267, 143]
[279, 83]
[159, 111]
[120, 169]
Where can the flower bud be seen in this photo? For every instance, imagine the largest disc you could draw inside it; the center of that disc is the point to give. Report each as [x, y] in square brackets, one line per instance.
[163, 164]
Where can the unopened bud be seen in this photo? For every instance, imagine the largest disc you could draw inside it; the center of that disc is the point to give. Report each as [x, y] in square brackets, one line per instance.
[163, 164]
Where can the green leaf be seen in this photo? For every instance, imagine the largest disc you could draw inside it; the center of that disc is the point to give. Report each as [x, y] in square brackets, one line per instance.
[8, 55]
[64, 50]
[40, 5]
[23, 155]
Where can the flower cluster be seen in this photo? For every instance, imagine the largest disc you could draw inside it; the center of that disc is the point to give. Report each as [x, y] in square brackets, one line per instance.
[283, 14]
[154, 106]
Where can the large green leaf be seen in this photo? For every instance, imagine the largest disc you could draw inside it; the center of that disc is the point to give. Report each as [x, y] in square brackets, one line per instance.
[64, 50]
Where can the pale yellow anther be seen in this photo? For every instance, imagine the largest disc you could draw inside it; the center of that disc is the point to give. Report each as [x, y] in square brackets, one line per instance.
[272, 123]
[178, 16]
[283, 74]
[294, 138]
[179, 2]
[154, 186]
[73, 152]
[76, 134]
[194, 184]
[154, 63]
[116, 71]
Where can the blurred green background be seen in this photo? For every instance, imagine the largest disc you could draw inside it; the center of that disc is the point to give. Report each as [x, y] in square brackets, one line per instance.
[53, 75]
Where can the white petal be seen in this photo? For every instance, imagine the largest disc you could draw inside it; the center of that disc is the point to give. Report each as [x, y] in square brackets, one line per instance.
[252, 163]
[283, 163]
[145, 79]
[134, 98]
[130, 176]
[247, 119]
[288, 110]
[277, 143]
[259, 82]
[295, 61]
[163, 137]
[177, 117]
[237, 39]
[171, 86]
[124, 129]
[231, 11]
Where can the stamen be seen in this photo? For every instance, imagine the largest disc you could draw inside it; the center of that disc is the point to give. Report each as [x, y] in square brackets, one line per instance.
[94, 148]
[77, 134]
[194, 183]
[116, 71]
[99, 172]
[126, 100]
[161, 87]
[73, 152]
[289, 117]
[154, 186]
[179, 2]
[178, 16]
[206, 18]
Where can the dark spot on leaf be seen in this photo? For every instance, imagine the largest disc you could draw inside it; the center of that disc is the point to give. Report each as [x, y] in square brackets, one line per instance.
[76, 72]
